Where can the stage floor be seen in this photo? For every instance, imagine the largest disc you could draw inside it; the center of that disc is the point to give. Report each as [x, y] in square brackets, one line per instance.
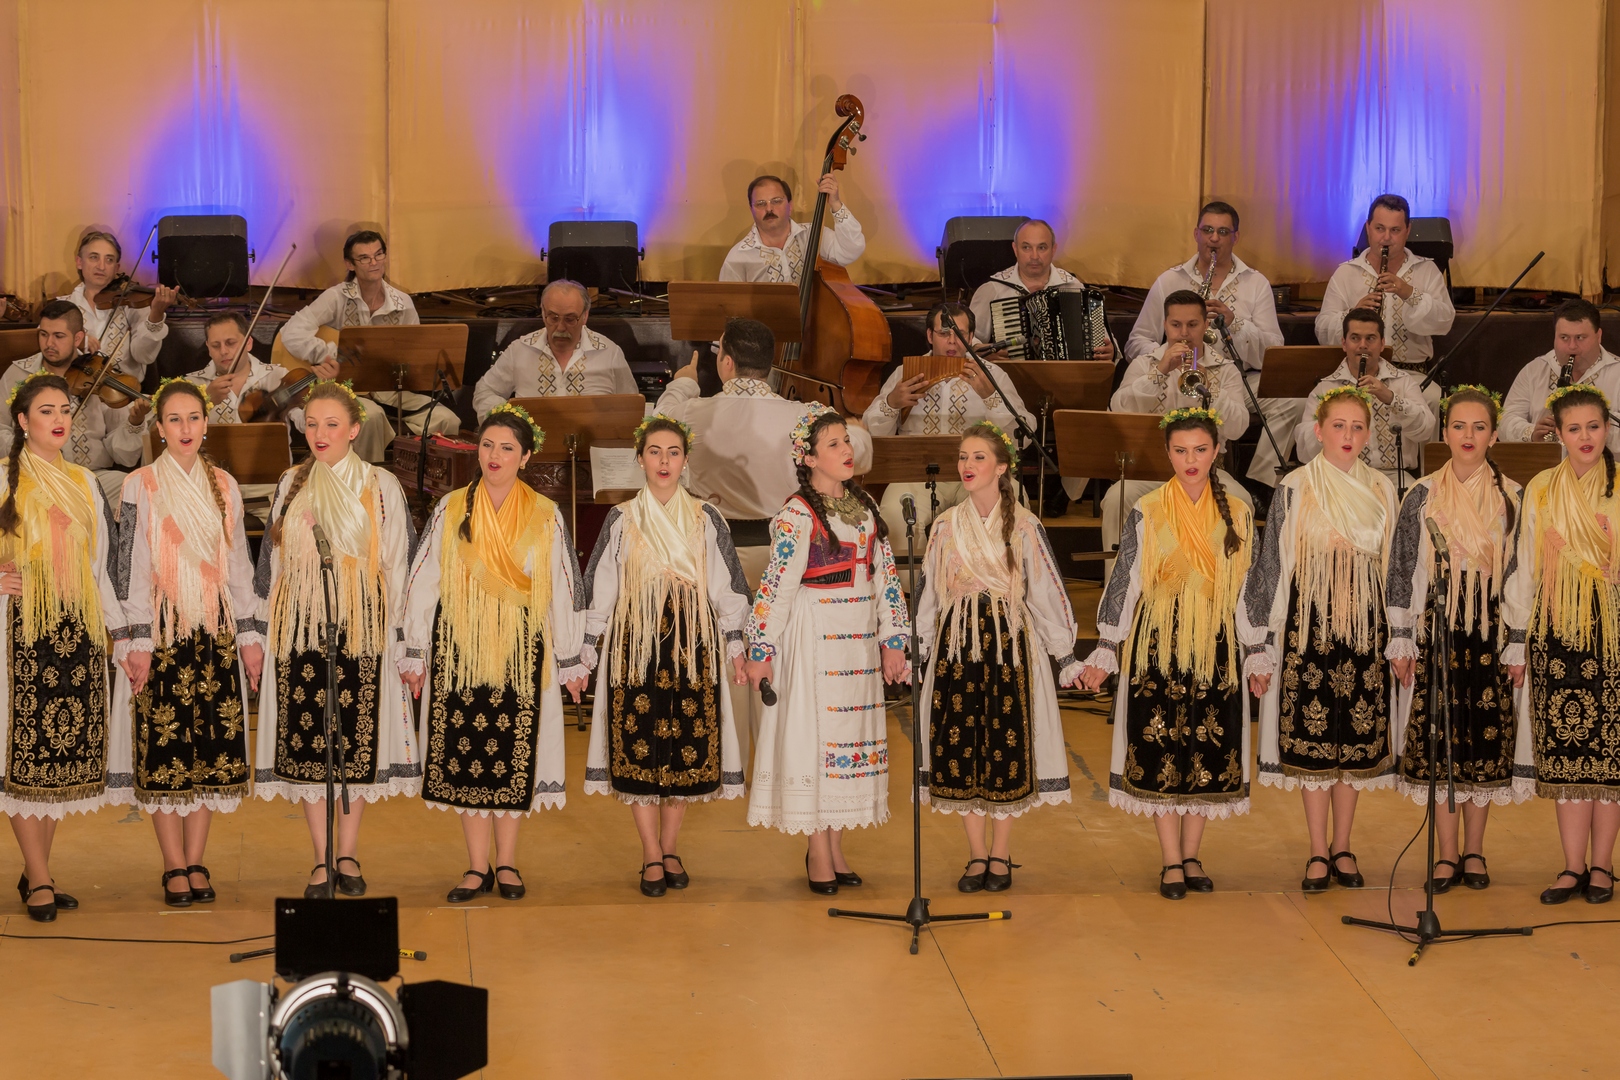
[744, 975]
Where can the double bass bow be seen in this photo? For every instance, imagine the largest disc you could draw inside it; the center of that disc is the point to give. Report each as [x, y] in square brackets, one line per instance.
[844, 337]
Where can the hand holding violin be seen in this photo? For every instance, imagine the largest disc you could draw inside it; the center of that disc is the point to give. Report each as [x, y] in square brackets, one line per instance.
[163, 298]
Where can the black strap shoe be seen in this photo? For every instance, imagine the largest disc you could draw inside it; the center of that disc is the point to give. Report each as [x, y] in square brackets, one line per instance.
[1196, 882]
[820, 888]
[1437, 884]
[994, 882]
[970, 882]
[1596, 894]
[460, 895]
[64, 902]
[1558, 894]
[317, 891]
[1480, 880]
[1352, 880]
[172, 898]
[657, 886]
[206, 894]
[42, 912]
[350, 884]
[1172, 890]
[680, 879]
[511, 892]
[1316, 884]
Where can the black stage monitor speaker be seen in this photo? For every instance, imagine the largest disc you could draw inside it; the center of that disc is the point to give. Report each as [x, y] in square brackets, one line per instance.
[204, 254]
[600, 254]
[360, 936]
[1430, 237]
[973, 249]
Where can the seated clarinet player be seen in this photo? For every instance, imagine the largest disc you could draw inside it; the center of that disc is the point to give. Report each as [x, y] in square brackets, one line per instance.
[565, 357]
[773, 250]
[1163, 380]
[1398, 406]
[913, 407]
[1577, 358]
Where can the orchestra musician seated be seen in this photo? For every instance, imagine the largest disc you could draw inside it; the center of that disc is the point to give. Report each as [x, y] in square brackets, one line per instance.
[1577, 349]
[1035, 251]
[365, 298]
[102, 437]
[565, 357]
[135, 334]
[774, 248]
[947, 407]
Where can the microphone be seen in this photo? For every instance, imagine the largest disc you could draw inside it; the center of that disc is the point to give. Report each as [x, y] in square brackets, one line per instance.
[322, 547]
[767, 693]
[908, 509]
[1437, 538]
[996, 346]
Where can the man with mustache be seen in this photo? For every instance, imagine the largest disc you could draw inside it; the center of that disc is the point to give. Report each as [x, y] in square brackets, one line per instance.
[563, 358]
[774, 248]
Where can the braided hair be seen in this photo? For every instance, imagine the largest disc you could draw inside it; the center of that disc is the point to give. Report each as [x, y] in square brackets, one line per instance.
[522, 430]
[1467, 396]
[323, 391]
[990, 435]
[21, 402]
[1574, 399]
[809, 494]
[181, 386]
[1216, 489]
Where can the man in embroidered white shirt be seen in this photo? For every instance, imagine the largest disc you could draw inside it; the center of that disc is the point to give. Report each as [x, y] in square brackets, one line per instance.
[1035, 249]
[223, 336]
[773, 250]
[910, 407]
[101, 437]
[566, 357]
[1411, 296]
[135, 335]
[365, 299]
[1398, 405]
[1577, 337]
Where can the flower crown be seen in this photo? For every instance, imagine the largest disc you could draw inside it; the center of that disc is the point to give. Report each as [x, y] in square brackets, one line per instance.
[522, 414]
[1585, 388]
[1348, 391]
[641, 428]
[1007, 440]
[202, 390]
[347, 386]
[1175, 416]
[800, 435]
[1492, 395]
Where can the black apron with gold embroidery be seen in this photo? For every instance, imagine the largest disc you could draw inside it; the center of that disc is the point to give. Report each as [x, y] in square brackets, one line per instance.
[56, 745]
[664, 729]
[481, 740]
[1574, 720]
[1333, 709]
[980, 738]
[190, 732]
[301, 712]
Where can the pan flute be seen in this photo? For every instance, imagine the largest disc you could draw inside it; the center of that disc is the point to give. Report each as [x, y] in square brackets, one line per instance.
[1050, 324]
[937, 368]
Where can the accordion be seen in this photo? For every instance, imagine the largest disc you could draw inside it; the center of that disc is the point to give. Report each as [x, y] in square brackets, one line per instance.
[1050, 325]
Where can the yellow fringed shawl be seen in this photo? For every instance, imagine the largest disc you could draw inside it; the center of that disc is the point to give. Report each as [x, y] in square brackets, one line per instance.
[53, 548]
[191, 548]
[344, 499]
[977, 564]
[1189, 585]
[1576, 567]
[495, 610]
[665, 550]
[1472, 515]
[1343, 533]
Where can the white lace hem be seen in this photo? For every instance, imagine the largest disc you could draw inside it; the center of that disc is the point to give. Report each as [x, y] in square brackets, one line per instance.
[580, 670]
[587, 656]
[545, 800]
[1401, 648]
[994, 811]
[1070, 672]
[806, 825]
[412, 665]
[605, 787]
[15, 807]
[1522, 789]
[1261, 663]
[1513, 655]
[1190, 808]
[219, 804]
[1289, 783]
[408, 786]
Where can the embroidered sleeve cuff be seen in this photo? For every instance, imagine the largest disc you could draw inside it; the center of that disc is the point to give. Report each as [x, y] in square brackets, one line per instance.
[1400, 632]
[570, 668]
[885, 409]
[250, 638]
[1259, 663]
[759, 653]
[122, 649]
[1104, 658]
[412, 665]
[1515, 637]
[1401, 648]
[587, 655]
[262, 627]
[415, 654]
[1513, 655]
[898, 641]
[734, 649]
[841, 215]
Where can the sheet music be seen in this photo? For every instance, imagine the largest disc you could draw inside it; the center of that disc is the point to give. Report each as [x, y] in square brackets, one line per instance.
[614, 468]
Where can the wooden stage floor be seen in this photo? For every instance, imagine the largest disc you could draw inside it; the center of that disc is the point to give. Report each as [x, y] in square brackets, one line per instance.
[744, 975]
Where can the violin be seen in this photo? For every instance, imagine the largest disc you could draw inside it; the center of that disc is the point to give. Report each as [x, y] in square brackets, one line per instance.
[295, 385]
[93, 375]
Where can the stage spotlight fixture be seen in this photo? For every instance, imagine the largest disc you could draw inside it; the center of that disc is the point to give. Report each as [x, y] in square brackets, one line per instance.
[1430, 237]
[340, 1022]
[207, 255]
[599, 254]
[973, 248]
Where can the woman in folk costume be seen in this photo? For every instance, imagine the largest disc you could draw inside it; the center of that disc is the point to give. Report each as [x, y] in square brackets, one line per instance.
[828, 629]
[1561, 604]
[1167, 624]
[992, 609]
[491, 635]
[667, 598]
[1311, 620]
[361, 512]
[1475, 509]
[190, 648]
[58, 605]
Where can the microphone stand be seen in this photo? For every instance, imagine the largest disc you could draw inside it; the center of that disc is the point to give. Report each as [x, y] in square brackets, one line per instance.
[1440, 365]
[1437, 685]
[917, 914]
[1248, 391]
[1024, 430]
[331, 729]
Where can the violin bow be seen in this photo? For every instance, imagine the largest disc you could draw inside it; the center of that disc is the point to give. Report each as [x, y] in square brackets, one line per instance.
[247, 338]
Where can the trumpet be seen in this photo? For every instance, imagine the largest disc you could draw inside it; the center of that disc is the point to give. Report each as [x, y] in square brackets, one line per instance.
[1192, 382]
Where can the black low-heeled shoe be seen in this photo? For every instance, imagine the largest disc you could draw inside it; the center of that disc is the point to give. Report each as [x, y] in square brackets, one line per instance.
[1172, 890]
[1352, 880]
[970, 882]
[510, 892]
[678, 880]
[1440, 885]
[460, 895]
[64, 902]
[1316, 884]
[204, 895]
[653, 888]
[994, 882]
[1557, 894]
[315, 892]
[41, 912]
[170, 897]
[820, 888]
[350, 884]
[1475, 881]
[851, 879]
[1596, 894]
[1196, 882]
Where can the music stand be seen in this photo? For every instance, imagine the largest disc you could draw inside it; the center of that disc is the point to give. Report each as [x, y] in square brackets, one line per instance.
[698, 310]
[17, 345]
[913, 459]
[422, 359]
[1101, 443]
[1292, 371]
[1519, 460]
[252, 453]
[1060, 384]
[573, 424]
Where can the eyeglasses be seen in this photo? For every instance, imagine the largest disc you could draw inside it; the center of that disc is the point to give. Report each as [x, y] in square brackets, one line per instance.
[1210, 231]
[571, 319]
[369, 260]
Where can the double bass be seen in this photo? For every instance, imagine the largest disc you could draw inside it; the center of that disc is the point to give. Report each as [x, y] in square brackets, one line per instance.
[844, 337]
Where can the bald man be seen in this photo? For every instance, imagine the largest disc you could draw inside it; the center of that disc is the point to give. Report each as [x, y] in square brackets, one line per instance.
[1035, 249]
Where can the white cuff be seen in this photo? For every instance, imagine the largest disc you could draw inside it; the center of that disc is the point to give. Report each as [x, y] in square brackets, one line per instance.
[1102, 659]
[1401, 648]
[1071, 672]
[412, 665]
[734, 649]
[252, 637]
[122, 649]
[1261, 663]
[1513, 655]
[576, 671]
[587, 656]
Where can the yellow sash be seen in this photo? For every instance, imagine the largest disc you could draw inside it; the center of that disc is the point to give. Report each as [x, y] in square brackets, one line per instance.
[1577, 569]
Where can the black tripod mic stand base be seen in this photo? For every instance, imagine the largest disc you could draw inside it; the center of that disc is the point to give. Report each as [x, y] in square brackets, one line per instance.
[918, 916]
[1428, 931]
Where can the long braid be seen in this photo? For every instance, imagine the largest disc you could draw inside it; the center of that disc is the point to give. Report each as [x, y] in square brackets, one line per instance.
[871, 504]
[211, 466]
[300, 475]
[8, 508]
[1507, 503]
[1009, 516]
[1217, 489]
[465, 532]
[813, 497]
[1608, 466]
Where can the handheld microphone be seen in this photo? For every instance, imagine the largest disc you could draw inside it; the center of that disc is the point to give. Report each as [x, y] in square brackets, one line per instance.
[1438, 539]
[767, 693]
[323, 548]
[908, 510]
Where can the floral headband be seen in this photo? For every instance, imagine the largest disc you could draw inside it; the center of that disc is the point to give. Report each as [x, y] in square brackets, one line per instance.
[1175, 416]
[347, 386]
[202, 390]
[1349, 391]
[1007, 441]
[522, 414]
[1494, 398]
[800, 435]
[15, 390]
[641, 428]
[1585, 388]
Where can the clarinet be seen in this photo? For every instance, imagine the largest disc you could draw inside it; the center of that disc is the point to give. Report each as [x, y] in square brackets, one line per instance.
[1566, 375]
[1383, 268]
